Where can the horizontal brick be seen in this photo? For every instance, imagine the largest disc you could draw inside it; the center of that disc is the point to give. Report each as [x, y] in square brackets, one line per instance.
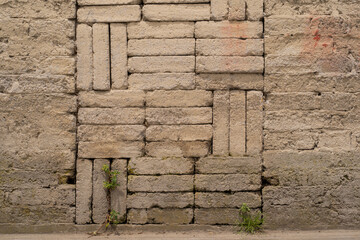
[161, 47]
[162, 81]
[178, 149]
[290, 140]
[227, 200]
[106, 133]
[176, 1]
[161, 30]
[229, 47]
[179, 133]
[176, 12]
[160, 216]
[227, 182]
[228, 81]
[162, 200]
[111, 115]
[162, 64]
[243, 165]
[230, 64]
[165, 183]
[179, 115]
[228, 29]
[196, 98]
[153, 166]
[109, 13]
[107, 2]
[114, 98]
[110, 150]
[228, 216]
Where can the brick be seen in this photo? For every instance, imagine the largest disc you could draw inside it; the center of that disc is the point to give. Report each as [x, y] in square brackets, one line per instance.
[58, 65]
[118, 52]
[162, 81]
[196, 98]
[110, 149]
[219, 9]
[160, 216]
[176, 1]
[229, 64]
[226, 29]
[165, 183]
[107, 2]
[155, 166]
[119, 13]
[241, 165]
[229, 47]
[227, 182]
[101, 57]
[179, 133]
[227, 200]
[111, 115]
[294, 140]
[118, 196]
[221, 120]
[228, 81]
[298, 101]
[83, 191]
[114, 98]
[100, 203]
[254, 123]
[161, 200]
[161, 47]
[237, 135]
[144, 29]
[176, 12]
[178, 149]
[237, 10]
[108, 133]
[336, 140]
[254, 10]
[162, 64]
[179, 115]
[84, 57]
[227, 216]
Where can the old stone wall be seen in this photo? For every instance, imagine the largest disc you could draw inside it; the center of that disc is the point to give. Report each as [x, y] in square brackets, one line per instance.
[201, 105]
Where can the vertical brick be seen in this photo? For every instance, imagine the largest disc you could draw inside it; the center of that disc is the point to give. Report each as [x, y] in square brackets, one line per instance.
[219, 9]
[236, 10]
[101, 56]
[237, 123]
[83, 191]
[84, 57]
[118, 45]
[221, 123]
[100, 200]
[119, 194]
[254, 122]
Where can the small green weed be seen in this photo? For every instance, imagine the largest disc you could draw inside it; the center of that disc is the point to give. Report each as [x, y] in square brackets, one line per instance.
[112, 178]
[249, 223]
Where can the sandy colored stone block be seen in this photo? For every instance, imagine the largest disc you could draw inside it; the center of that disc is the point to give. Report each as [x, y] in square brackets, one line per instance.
[160, 216]
[229, 47]
[161, 200]
[254, 10]
[57, 65]
[161, 47]
[223, 165]
[118, 52]
[176, 12]
[237, 10]
[196, 98]
[155, 166]
[179, 133]
[114, 98]
[164, 183]
[254, 123]
[101, 56]
[83, 191]
[227, 200]
[162, 64]
[84, 57]
[120, 13]
[219, 9]
[225, 29]
[293, 140]
[110, 133]
[229, 64]
[110, 149]
[178, 149]
[221, 121]
[162, 81]
[227, 182]
[237, 143]
[118, 196]
[107, 2]
[194, 115]
[336, 140]
[227, 216]
[144, 29]
[100, 203]
[226, 81]
[111, 115]
[290, 101]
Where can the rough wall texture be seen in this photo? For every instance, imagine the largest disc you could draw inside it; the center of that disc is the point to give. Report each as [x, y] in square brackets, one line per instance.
[201, 105]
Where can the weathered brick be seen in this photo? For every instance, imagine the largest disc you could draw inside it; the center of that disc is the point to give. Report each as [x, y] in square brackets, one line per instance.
[227, 182]
[111, 115]
[109, 13]
[227, 200]
[118, 196]
[221, 120]
[254, 10]
[227, 216]
[176, 12]
[219, 9]
[110, 149]
[336, 140]
[162, 64]
[179, 115]
[100, 203]
[162, 81]
[160, 216]
[294, 140]
[196, 98]
[83, 191]
[216, 165]
[254, 122]
[298, 101]
[228, 81]
[229, 47]
[179, 133]
[178, 149]
[154, 166]
[107, 2]
[114, 98]
[237, 135]
[109, 133]
[229, 64]
[237, 10]
[162, 200]
[161, 47]
[118, 52]
[84, 57]
[165, 183]
[160, 30]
